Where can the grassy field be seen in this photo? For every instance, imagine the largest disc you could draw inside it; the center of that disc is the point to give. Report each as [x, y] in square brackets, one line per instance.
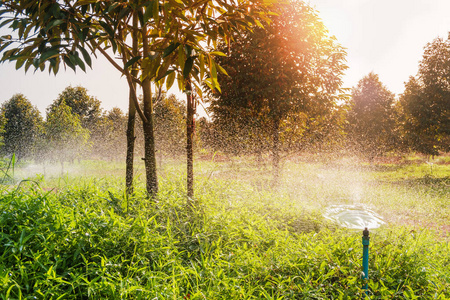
[77, 237]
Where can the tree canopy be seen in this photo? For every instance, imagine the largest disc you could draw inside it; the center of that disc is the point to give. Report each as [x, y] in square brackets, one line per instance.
[64, 135]
[21, 126]
[371, 118]
[86, 107]
[425, 104]
[284, 81]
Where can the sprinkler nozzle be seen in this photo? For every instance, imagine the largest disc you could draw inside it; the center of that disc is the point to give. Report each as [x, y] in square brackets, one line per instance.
[366, 232]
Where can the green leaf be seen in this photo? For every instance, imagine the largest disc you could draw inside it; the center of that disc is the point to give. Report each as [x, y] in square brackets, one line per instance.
[19, 63]
[202, 66]
[221, 70]
[156, 10]
[141, 18]
[3, 11]
[131, 61]
[84, 2]
[54, 23]
[47, 54]
[162, 71]
[148, 12]
[107, 28]
[56, 10]
[79, 62]
[124, 12]
[86, 56]
[188, 50]
[112, 7]
[213, 71]
[170, 49]
[258, 23]
[69, 63]
[188, 66]
[6, 22]
[36, 63]
[170, 80]
[2, 47]
[56, 66]
[217, 53]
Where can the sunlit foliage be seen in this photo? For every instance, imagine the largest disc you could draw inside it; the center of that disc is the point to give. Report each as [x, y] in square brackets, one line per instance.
[85, 106]
[21, 126]
[283, 85]
[371, 118]
[425, 104]
[64, 136]
[170, 125]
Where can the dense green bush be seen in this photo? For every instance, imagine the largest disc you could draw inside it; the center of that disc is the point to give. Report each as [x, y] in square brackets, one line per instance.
[87, 241]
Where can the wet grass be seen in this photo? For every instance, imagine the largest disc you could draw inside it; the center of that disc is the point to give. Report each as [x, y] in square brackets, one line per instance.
[78, 237]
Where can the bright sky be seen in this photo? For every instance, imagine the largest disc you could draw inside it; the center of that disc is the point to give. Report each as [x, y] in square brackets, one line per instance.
[383, 36]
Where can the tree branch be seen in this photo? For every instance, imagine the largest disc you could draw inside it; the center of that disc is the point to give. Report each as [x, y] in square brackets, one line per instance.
[131, 85]
[116, 65]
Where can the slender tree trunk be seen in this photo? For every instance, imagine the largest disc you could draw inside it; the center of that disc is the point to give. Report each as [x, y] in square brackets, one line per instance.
[130, 146]
[189, 144]
[149, 137]
[276, 152]
[131, 118]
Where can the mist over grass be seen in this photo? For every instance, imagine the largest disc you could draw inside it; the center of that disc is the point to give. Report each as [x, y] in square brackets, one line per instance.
[78, 237]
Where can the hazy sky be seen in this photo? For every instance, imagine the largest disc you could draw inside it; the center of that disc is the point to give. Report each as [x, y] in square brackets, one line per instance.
[383, 36]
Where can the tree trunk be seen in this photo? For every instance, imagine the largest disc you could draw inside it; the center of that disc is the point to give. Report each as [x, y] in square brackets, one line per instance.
[276, 152]
[189, 141]
[131, 118]
[130, 146]
[149, 137]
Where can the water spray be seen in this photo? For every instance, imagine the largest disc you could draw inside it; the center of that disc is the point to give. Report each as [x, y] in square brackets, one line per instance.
[365, 242]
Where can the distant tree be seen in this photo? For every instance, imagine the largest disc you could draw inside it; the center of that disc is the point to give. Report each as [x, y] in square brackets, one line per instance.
[118, 127]
[108, 139]
[85, 106]
[425, 104]
[64, 135]
[371, 118]
[283, 84]
[170, 122]
[22, 121]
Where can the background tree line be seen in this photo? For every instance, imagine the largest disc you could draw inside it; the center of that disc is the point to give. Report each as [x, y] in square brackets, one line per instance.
[273, 90]
[370, 123]
[76, 127]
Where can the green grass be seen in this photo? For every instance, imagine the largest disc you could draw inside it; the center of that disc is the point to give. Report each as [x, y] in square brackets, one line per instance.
[78, 237]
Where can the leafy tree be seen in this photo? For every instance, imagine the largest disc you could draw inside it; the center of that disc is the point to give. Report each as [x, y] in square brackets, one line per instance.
[170, 119]
[166, 38]
[85, 106]
[108, 139]
[22, 121]
[64, 134]
[372, 118]
[283, 81]
[425, 104]
[118, 121]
